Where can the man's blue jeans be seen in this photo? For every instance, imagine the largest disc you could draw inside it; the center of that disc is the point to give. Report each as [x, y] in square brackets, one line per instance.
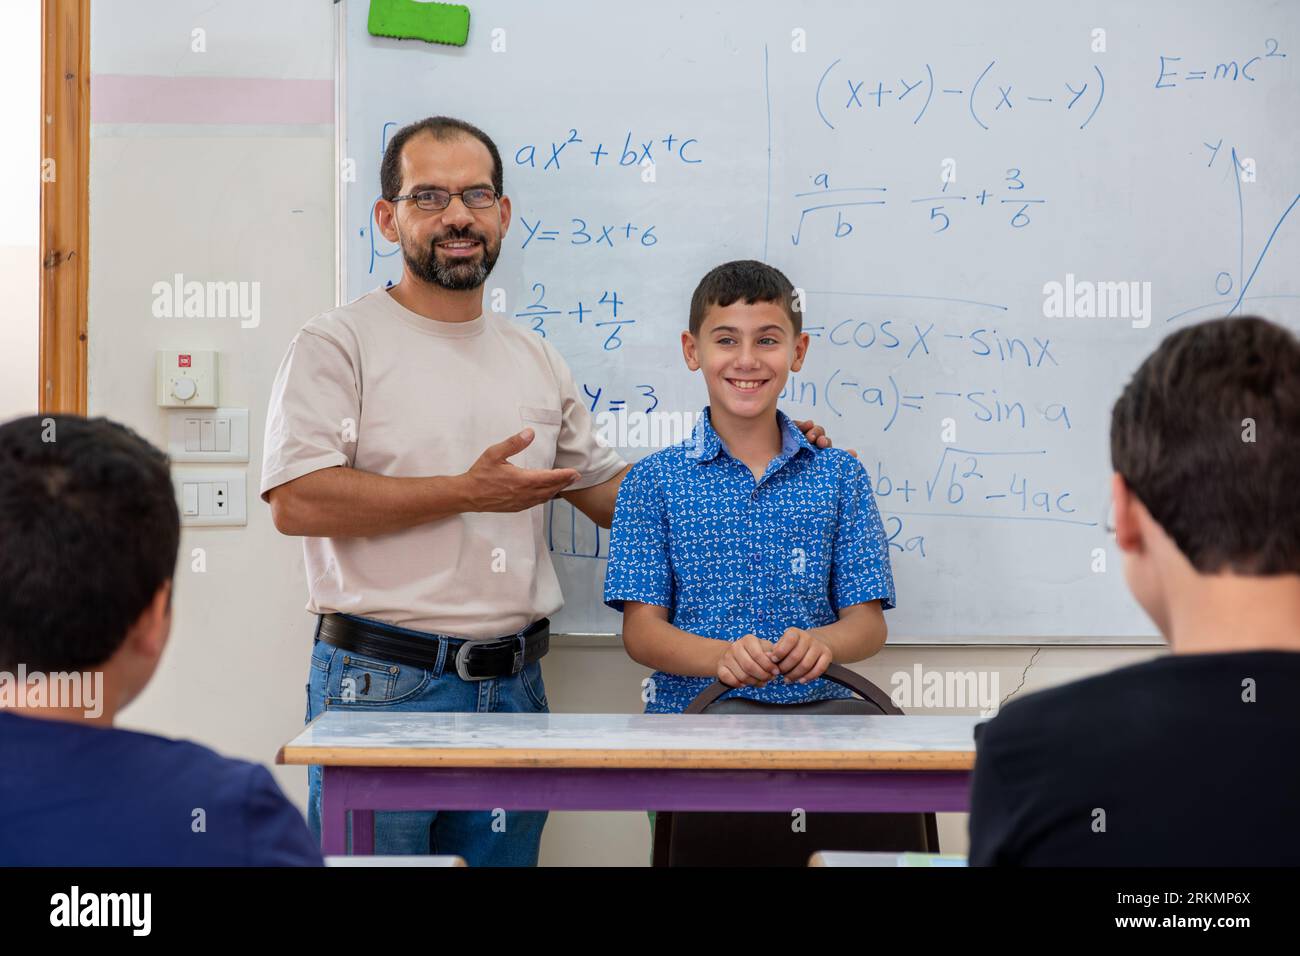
[482, 838]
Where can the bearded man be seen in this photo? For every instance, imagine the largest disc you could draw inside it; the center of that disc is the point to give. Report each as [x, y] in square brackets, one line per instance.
[425, 554]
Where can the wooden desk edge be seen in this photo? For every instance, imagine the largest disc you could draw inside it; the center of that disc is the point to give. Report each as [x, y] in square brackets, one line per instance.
[900, 760]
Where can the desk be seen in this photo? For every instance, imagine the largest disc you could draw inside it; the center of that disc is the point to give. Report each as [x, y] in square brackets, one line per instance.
[375, 760]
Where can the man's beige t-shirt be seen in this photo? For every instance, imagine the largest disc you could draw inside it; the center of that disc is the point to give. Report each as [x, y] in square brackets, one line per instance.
[374, 386]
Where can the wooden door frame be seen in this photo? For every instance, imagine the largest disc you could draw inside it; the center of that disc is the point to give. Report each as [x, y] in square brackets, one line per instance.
[65, 221]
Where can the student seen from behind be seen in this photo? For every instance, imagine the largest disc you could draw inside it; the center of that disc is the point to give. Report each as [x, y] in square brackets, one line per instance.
[88, 540]
[1190, 759]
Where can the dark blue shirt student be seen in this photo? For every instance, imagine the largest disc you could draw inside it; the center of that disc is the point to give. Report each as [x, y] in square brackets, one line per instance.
[77, 794]
[89, 533]
[693, 532]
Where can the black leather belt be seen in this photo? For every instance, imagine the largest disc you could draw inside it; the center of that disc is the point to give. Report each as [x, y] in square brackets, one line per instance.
[475, 660]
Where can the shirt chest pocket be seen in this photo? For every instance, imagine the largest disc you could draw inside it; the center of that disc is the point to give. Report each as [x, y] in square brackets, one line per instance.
[803, 568]
[545, 423]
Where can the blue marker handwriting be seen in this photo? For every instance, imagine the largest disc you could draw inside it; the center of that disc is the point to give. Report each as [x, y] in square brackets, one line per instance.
[635, 151]
[889, 399]
[571, 534]
[912, 340]
[580, 233]
[967, 483]
[1172, 73]
[645, 397]
[992, 96]
[604, 314]
[941, 203]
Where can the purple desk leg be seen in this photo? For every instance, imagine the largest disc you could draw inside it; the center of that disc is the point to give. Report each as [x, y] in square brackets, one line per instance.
[365, 789]
[336, 807]
[333, 812]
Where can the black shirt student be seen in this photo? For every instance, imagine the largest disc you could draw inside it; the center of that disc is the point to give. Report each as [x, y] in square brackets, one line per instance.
[1192, 759]
[1187, 760]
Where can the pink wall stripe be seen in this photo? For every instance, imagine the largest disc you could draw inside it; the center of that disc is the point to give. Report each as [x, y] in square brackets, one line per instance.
[123, 98]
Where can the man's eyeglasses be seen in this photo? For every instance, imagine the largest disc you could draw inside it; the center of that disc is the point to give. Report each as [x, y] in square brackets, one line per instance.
[431, 200]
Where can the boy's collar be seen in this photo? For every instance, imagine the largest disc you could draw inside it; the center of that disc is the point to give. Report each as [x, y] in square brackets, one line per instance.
[707, 440]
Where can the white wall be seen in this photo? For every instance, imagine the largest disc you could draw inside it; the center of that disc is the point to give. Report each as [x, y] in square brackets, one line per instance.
[227, 201]
[20, 119]
[255, 203]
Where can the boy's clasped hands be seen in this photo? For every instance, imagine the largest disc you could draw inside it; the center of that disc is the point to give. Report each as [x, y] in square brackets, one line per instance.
[752, 661]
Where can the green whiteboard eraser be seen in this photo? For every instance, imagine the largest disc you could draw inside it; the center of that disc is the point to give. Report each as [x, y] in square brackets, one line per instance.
[409, 20]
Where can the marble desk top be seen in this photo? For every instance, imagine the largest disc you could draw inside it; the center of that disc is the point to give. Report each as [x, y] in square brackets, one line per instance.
[700, 741]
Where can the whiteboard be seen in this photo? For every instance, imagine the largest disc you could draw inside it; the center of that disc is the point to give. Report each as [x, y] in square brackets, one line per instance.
[924, 173]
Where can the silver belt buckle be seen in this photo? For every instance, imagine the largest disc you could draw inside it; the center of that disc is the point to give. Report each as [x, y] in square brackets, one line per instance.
[516, 665]
[462, 662]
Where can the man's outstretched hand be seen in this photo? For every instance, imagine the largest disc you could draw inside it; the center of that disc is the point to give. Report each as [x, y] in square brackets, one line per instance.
[494, 484]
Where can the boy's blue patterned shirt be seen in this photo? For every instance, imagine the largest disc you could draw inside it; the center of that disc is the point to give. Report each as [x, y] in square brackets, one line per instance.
[728, 556]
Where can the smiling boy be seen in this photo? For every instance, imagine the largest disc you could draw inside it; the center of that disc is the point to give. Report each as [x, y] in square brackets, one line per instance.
[744, 554]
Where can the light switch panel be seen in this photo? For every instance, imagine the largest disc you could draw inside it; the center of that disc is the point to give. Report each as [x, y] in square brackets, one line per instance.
[207, 434]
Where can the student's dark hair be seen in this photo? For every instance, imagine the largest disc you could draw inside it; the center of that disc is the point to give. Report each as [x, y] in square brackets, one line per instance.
[442, 128]
[1207, 436]
[743, 279]
[88, 534]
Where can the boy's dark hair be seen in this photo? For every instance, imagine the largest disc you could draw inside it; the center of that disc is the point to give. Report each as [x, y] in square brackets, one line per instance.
[745, 279]
[88, 534]
[1207, 435]
[442, 128]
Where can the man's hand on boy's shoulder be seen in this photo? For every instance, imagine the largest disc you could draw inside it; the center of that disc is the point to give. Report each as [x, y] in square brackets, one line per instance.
[817, 437]
[800, 656]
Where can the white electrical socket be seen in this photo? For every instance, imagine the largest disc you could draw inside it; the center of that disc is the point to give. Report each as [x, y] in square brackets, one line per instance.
[211, 496]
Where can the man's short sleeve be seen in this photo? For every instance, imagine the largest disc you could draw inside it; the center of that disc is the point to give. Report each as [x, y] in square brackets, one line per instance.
[860, 570]
[277, 834]
[639, 565]
[577, 447]
[313, 416]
